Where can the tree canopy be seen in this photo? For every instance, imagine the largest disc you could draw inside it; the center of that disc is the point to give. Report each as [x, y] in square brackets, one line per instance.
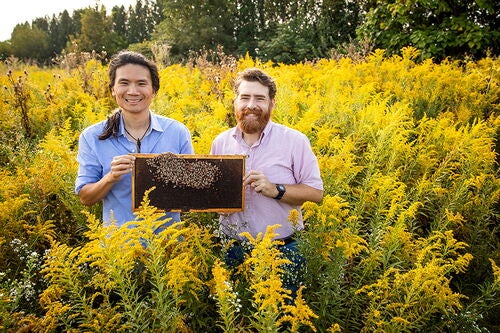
[279, 30]
[437, 28]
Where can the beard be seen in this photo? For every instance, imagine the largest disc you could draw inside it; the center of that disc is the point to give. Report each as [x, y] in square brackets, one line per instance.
[251, 126]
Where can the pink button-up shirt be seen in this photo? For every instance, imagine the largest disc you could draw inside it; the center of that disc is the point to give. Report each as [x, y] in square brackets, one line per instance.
[285, 156]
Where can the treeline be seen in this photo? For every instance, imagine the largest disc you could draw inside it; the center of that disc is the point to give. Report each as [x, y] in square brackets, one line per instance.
[87, 29]
[279, 30]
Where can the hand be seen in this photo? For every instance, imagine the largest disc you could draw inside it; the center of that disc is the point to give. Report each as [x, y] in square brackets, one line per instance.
[121, 165]
[260, 184]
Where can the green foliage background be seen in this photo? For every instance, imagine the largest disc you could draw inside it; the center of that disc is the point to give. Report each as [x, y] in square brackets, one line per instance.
[279, 30]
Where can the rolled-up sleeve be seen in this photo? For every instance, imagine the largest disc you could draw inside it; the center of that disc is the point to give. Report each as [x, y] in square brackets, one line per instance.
[89, 168]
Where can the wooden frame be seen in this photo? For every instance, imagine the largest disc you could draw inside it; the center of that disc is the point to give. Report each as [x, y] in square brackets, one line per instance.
[194, 183]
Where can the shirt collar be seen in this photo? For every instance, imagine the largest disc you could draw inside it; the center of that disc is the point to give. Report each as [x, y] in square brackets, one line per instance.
[155, 124]
[238, 135]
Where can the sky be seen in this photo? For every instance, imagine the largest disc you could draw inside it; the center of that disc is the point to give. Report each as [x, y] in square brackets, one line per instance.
[14, 12]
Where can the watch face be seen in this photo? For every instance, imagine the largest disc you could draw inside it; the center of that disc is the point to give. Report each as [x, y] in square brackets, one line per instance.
[281, 190]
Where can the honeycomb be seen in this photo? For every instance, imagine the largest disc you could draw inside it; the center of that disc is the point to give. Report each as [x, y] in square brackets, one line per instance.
[170, 169]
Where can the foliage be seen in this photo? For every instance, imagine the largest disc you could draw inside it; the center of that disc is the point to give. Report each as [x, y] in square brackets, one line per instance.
[281, 31]
[296, 35]
[405, 239]
[29, 42]
[439, 28]
[195, 25]
[91, 28]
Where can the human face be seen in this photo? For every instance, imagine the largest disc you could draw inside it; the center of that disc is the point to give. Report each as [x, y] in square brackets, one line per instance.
[252, 106]
[133, 88]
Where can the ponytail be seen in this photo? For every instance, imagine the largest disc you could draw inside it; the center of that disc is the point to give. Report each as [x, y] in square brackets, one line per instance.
[112, 126]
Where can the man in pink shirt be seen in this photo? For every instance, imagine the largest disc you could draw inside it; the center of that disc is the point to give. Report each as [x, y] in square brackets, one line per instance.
[282, 170]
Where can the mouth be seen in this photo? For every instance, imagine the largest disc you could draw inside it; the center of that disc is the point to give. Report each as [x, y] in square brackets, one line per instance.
[133, 100]
[252, 113]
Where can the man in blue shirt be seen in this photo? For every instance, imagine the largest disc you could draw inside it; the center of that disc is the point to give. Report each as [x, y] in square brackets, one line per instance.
[105, 165]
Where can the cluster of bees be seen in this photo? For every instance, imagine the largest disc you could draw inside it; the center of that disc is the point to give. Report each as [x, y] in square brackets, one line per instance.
[168, 168]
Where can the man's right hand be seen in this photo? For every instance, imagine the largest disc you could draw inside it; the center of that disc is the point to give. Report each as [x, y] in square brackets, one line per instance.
[120, 165]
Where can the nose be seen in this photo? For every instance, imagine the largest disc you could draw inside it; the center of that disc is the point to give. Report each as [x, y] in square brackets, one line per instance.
[251, 102]
[132, 89]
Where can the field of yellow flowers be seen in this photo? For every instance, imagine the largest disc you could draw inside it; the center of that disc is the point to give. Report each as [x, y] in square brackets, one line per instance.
[406, 238]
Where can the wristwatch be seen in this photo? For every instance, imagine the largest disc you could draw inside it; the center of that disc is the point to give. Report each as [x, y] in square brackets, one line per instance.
[281, 190]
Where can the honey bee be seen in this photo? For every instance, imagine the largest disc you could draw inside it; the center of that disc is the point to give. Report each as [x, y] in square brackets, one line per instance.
[170, 169]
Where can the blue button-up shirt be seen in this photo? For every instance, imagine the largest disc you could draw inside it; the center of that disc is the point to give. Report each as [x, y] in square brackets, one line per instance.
[94, 158]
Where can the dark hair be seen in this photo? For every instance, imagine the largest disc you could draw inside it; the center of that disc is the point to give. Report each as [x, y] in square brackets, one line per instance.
[255, 74]
[123, 58]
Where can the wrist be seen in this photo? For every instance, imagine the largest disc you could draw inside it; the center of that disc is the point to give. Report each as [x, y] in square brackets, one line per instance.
[110, 178]
[280, 189]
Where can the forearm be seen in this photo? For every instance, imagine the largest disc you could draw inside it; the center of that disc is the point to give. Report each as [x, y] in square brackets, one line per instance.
[297, 194]
[92, 193]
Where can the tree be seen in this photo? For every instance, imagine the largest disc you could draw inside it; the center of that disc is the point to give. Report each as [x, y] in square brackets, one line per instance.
[307, 29]
[119, 21]
[76, 19]
[65, 30]
[5, 50]
[95, 28]
[286, 46]
[29, 43]
[246, 29]
[143, 20]
[196, 25]
[437, 28]
[41, 23]
[59, 32]
[156, 13]
[334, 25]
[136, 31]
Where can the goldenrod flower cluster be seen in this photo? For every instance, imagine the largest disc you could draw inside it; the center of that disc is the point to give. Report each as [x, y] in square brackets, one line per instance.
[405, 239]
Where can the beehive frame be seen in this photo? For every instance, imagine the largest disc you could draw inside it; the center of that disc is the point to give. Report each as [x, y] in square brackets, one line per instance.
[189, 183]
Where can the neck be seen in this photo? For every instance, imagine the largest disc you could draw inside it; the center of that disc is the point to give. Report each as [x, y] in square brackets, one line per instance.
[136, 121]
[250, 139]
[137, 129]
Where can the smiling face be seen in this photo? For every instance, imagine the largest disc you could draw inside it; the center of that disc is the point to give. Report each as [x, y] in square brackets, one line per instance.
[252, 106]
[133, 89]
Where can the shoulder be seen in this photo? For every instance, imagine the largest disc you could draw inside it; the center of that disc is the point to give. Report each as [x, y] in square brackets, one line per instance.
[94, 130]
[286, 132]
[165, 122]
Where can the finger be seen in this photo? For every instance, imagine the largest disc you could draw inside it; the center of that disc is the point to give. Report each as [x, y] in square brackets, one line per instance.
[249, 180]
[124, 159]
